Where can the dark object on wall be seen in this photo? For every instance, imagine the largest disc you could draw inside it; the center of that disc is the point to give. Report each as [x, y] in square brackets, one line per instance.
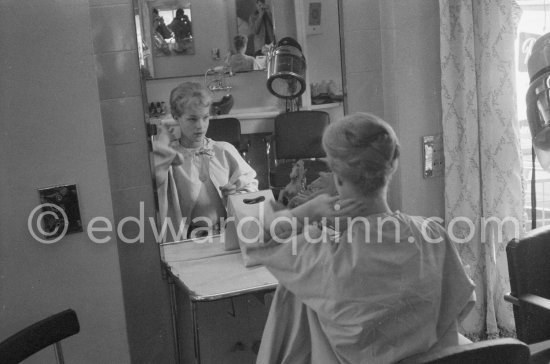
[32, 339]
[62, 210]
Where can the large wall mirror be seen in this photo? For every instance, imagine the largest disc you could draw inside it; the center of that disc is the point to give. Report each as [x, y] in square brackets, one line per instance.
[180, 38]
[315, 24]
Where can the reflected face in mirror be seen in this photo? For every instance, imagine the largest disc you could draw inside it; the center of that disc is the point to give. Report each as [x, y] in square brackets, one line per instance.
[194, 175]
[172, 31]
[193, 125]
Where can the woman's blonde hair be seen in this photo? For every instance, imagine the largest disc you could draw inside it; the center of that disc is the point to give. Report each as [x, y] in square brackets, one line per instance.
[189, 95]
[240, 41]
[363, 149]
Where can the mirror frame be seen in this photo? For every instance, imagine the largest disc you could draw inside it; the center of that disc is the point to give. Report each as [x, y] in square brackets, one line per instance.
[301, 37]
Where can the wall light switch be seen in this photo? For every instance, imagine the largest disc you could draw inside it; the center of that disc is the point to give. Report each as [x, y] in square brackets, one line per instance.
[433, 159]
[61, 210]
[215, 52]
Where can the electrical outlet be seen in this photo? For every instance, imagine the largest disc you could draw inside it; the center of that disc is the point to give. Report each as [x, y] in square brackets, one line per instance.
[65, 200]
[433, 158]
[215, 52]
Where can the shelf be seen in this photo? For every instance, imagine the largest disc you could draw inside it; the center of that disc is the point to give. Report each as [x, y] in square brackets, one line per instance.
[326, 106]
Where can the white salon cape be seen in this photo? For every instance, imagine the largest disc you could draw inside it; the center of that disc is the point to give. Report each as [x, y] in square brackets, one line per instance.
[365, 299]
[181, 172]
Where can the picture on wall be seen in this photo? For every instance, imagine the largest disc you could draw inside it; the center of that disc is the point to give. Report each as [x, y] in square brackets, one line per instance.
[314, 18]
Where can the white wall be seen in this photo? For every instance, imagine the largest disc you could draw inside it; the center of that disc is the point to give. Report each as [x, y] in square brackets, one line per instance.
[52, 134]
[392, 70]
[323, 49]
[412, 95]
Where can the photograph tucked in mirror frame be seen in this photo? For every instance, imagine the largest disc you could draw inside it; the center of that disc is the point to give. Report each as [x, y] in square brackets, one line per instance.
[171, 30]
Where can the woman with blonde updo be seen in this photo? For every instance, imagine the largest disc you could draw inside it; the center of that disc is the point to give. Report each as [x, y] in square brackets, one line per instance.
[240, 62]
[388, 287]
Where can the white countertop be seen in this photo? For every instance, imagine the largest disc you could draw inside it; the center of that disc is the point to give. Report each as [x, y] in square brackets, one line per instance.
[208, 272]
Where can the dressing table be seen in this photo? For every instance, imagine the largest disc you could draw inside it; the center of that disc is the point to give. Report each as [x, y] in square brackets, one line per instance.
[216, 303]
[215, 300]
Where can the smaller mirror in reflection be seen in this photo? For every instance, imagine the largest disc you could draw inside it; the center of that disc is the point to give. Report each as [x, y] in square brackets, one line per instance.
[172, 31]
[255, 20]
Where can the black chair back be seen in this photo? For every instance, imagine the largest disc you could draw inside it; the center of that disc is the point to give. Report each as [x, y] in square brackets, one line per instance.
[298, 134]
[529, 269]
[498, 351]
[225, 129]
[38, 336]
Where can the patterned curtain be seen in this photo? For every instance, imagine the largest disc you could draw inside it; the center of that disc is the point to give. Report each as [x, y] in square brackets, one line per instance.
[483, 179]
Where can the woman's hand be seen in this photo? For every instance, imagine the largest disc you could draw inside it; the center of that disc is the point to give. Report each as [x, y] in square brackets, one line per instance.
[228, 189]
[166, 135]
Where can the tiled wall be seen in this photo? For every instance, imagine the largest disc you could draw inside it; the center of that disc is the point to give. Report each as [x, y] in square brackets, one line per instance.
[366, 88]
[392, 70]
[323, 49]
[120, 91]
[412, 95]
[52, 135]
[363, 61]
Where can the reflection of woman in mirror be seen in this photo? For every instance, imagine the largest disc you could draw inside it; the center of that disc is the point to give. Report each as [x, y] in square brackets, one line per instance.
[160, 32]
[261, 25]
[195, 174]
[240, 62]
[181, 26]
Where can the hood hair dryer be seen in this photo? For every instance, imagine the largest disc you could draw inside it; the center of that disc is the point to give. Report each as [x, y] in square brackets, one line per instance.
[538, 99]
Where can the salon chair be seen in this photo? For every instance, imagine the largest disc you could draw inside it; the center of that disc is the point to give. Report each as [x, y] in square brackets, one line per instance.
[498, 351]
[297, 135]
[529, 269]
[228, 130]
[32, 339]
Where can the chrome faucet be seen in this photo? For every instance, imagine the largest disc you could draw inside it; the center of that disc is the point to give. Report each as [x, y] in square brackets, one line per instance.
[220, 81]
